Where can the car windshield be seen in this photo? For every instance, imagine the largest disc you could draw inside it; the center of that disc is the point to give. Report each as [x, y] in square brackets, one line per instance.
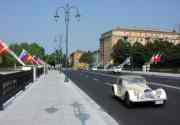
[136, 81]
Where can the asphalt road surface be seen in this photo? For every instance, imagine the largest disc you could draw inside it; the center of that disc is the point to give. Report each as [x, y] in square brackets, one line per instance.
[99, 87]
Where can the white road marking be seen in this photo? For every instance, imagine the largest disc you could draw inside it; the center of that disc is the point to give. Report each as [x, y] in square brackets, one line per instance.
[167, 86]
[108, 84]
[103, 74]
[157, 84]
[95, 79]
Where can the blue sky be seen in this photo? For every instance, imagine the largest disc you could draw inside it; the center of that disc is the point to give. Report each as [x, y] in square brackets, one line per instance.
[32, 20]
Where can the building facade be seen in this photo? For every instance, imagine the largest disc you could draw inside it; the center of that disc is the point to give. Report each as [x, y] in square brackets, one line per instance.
[110, 38]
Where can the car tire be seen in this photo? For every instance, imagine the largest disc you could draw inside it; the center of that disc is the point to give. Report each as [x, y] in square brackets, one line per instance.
[128, 103]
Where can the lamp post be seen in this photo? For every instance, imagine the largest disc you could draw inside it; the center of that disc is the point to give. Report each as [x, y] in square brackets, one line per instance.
[67, 10]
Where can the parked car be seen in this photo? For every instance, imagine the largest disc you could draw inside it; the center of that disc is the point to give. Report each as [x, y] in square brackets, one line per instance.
[117, 69]
[94, 68]
[134, 89]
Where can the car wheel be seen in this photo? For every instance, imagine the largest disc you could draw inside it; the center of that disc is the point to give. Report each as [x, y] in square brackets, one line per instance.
[127, 101]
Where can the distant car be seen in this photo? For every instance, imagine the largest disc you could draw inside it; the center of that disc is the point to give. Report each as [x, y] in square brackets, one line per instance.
[133, 89]
[94, 69]
[117, 69]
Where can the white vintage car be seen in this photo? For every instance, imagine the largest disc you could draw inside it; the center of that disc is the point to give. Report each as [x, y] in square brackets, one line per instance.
[133, 89]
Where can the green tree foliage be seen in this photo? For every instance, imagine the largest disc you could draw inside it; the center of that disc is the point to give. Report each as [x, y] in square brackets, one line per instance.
[121, 51]
[87, 57]
[55, 58]
[138, 51]
[170, 53]
[175, 57]
[32, 48]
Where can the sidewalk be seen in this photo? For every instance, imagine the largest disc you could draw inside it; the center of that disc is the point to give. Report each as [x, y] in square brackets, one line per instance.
[50, 101]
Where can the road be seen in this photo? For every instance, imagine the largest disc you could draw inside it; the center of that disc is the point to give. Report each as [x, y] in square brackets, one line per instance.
[98, 87]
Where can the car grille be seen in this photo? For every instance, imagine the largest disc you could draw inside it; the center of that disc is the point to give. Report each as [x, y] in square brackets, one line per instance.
[148, 93]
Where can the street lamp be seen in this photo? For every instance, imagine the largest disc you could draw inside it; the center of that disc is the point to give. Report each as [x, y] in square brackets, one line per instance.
[67, 9]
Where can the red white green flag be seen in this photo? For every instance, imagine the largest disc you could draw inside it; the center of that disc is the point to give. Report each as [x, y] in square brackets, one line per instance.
[156, 58]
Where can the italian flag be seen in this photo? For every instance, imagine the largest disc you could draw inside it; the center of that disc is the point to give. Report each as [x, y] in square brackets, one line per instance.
[156, 58]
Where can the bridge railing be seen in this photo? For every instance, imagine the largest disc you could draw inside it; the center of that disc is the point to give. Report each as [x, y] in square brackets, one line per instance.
[13, 82]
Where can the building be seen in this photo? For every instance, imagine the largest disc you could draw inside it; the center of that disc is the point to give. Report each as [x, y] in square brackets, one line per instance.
[110, 38]
[75, 57]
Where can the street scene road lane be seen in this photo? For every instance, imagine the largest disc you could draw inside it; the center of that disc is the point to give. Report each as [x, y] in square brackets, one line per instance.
[170, 82]
[100, 91]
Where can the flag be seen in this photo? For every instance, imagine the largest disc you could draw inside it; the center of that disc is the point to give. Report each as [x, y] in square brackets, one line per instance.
[155, 58]
[127, 61]
[3, 48]
[152, 58]
[23, 55]
[29, 58]
[34, 60]
[40, 61]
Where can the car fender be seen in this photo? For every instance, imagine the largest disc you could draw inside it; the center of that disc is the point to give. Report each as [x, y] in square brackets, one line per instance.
[115, 88]
[132, 97]
[163, 93]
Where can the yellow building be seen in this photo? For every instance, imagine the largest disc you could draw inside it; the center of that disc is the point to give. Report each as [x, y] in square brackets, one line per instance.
[75, 57]
[110, 38]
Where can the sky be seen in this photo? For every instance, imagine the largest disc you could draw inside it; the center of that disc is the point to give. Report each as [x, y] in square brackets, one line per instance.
[33, 21]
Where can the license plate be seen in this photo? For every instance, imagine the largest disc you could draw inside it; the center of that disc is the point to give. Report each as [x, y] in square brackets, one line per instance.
[159, 102]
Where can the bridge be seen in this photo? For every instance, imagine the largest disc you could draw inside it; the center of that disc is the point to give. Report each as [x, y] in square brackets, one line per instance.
[49, 101]
[85, 100]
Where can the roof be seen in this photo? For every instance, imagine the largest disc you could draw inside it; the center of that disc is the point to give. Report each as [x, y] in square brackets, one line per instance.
[141, 29]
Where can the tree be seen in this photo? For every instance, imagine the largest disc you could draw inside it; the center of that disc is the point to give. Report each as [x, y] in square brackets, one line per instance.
[173, 57]
[33, 48]
[149, 51]
[37, 50]
[87, 58]
[165, 49]
[138, 54]
[121, 50]
[55, 58]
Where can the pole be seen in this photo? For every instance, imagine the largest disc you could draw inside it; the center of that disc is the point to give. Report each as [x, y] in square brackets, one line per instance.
[15, 56]
[60, 52]
[67, 31]
[67, 11]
